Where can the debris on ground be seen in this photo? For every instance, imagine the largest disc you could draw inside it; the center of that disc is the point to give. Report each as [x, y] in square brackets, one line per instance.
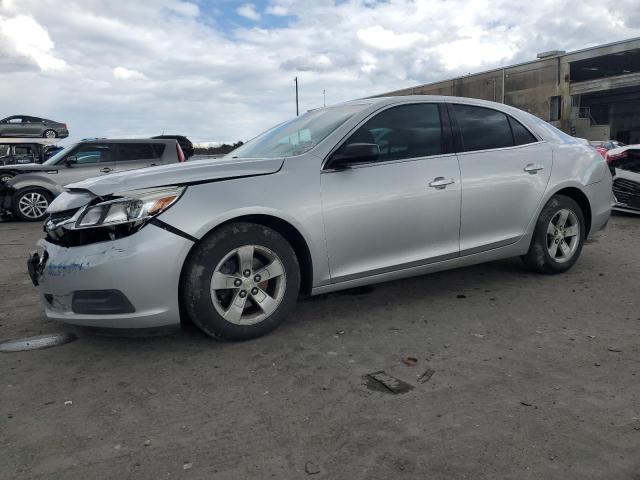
[187, 465]
[383, 382]
[410, 361]
[340, 332]
[478, 335]
[68, 402]
[526, 404]
[615, 350]
[147, 443]
[311, 468]
[461, 296]
[426, 376]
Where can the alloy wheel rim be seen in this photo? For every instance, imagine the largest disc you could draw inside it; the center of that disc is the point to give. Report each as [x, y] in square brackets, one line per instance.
[50, 134]
[563, 235]
[33, 205]
[248, 285]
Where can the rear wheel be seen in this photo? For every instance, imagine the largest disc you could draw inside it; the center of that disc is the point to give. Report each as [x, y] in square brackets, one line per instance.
[240, 282]
[558, 237]
[30, 205]
[50, 133]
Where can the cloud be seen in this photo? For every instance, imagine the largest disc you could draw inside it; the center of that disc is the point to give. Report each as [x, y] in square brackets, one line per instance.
[122, 73]
[248, 10]
[191, 67]
[23, 36]
[380, 38]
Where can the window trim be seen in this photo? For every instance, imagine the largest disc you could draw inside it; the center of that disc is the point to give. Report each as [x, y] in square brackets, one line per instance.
[458, 141]
[447, 149]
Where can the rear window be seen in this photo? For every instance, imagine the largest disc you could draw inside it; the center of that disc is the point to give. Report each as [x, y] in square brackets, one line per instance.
[482, 128]
[140, 151]
[521, 136]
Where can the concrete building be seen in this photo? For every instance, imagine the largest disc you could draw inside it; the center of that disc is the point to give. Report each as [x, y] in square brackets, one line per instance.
[592, 93]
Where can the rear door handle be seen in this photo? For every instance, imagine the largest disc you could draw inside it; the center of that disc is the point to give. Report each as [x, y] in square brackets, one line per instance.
[533, 168]
[441, 182]
[106, 169]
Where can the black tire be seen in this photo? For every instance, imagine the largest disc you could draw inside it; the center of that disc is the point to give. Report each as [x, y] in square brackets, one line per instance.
[195, 285]
[21, 194]
[538, 258]
[5, 177]
[48, 130]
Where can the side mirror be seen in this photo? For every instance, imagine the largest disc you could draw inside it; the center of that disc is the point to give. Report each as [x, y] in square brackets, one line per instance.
[354, 153]
[70, 161]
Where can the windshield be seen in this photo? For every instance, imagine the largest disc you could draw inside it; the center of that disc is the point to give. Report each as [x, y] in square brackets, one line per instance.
[298, 135]
[58, 156]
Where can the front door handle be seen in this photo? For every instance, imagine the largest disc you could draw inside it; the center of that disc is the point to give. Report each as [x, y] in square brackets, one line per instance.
[106, 169]
[441, 182]
[533, 168]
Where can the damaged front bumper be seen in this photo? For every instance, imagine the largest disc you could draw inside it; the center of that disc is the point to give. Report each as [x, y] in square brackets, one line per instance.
[128, 283]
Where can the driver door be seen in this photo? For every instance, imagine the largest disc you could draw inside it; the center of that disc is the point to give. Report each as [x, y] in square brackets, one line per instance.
[401, 210]
[86, 161]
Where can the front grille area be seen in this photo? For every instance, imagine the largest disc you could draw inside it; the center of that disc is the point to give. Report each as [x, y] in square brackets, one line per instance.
[627, 192]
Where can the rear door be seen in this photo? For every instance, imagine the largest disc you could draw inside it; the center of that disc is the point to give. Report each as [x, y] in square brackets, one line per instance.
[504, 171]
[85, 161]
[139, 155]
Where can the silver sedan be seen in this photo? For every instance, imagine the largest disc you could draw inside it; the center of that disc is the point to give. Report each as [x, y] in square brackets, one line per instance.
[358, 193]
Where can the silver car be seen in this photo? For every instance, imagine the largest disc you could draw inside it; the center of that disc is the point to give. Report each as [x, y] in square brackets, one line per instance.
[27, 190]
[362, 192]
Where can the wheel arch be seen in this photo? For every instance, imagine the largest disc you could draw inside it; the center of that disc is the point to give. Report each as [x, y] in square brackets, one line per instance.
[582, 200]
[288, 231]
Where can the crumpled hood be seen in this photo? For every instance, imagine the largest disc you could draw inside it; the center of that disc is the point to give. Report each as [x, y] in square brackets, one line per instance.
[198, 171]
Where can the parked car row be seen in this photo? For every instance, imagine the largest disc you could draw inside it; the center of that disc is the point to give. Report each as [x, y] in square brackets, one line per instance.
[27, 190]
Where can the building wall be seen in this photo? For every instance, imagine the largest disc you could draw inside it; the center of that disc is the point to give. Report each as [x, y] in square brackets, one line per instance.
[532, 86]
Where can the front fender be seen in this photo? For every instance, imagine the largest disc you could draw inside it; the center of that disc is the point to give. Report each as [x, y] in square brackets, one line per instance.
[30, 180]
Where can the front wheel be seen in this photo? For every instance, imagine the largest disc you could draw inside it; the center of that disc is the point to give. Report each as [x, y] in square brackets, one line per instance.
[240, 282]
[30, 205]
[558, 236]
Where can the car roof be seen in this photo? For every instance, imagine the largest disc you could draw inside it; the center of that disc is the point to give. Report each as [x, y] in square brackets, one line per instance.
[127, 140]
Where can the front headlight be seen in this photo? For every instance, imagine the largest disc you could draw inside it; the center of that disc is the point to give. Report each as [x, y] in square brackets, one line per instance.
[126, 208]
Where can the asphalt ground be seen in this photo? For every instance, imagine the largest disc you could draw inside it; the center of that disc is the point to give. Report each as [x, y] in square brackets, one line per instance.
[508, 374]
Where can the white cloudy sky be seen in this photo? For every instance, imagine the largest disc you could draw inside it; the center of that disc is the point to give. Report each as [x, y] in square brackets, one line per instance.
[223, 70]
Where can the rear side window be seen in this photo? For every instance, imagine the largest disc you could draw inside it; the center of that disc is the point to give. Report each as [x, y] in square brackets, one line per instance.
[140, 151]
[521, 136]
[406, 131]
[482, 128]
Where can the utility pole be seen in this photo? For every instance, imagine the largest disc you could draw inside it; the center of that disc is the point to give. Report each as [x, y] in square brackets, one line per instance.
[324, 98]
[297, 111]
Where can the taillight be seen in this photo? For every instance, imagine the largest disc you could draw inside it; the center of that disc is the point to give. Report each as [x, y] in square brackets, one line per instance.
[180, 153]
[615, 157]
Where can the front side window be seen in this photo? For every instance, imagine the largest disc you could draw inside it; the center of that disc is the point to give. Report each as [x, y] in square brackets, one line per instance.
[405, 131]
[482, 128]
[299, 135]
[15, 120]
[91, 153]
[139, 151]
